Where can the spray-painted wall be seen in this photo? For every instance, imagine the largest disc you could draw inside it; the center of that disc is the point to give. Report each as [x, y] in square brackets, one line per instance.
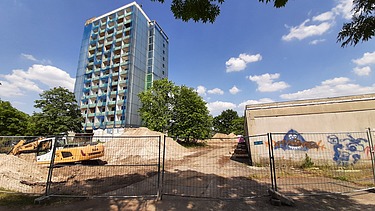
[331, 130]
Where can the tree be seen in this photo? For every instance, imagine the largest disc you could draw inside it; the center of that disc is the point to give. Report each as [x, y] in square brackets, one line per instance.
[361, 28]
[179, 111]
[191, 116]
[229, 122]
[157, 102]
[59, 113]
[12, 121]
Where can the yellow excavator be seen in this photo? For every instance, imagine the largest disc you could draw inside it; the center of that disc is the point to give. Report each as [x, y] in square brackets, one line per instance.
[65, 153]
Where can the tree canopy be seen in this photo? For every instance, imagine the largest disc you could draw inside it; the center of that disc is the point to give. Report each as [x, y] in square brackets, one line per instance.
[177, 110]
[361, 27]
[59, 113]
[229, 122]
[12, 121]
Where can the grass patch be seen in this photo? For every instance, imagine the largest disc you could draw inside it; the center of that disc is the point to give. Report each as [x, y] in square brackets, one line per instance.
[191, 144]
[307, 162]
[15, 199]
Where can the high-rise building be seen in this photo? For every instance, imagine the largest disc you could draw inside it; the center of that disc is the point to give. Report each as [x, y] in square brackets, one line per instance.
[122, 53]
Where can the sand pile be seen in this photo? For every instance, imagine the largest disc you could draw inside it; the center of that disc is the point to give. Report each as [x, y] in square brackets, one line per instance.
[136, 143]
[19, 175]
[224, 136]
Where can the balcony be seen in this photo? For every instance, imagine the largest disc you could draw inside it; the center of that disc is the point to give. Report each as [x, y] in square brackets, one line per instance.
[110, 113]
[91, 114]
[121, 92]
[92, 105]
[84, 106]
[112, 103]
[89, 124]
[103, 85]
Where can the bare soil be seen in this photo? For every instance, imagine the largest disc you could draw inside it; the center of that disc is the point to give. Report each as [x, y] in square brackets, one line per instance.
[209, 165]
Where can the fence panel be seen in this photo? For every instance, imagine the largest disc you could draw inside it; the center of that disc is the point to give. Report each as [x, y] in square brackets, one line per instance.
[130, 167]
[318, 163]
[20, 173]
[217, 169]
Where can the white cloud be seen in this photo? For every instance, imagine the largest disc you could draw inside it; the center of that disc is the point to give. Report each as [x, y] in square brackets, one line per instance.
[303, 31]
[315, 42]
[362, 71]
[330, 88]
[326, 16]
[344, 9]
[240, 63]
[32, 58]
[51, 76]
[367, 59]
[251, 102]
[19, 82]
[216, 91]
[201, 90]
[266, 82]
[234, 90]
[322, 22]
[29, 57]
[217, 107]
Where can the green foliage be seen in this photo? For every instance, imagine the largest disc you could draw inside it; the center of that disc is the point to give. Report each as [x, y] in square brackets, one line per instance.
[361, 27]
[157, 105]
[307, 162]
[191, 116]
[229, 121]
[180, 111]
[197, 10]
[12, 121]
[15, 199]
[59, 113]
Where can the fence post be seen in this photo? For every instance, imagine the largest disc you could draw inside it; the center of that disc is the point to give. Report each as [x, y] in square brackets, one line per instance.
[272, 162]
[371, 145]
[51, 166]
[162, 171]
[159, 159]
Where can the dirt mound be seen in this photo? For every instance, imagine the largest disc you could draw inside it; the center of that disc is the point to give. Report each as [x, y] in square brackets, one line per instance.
[135, 145]
[224, 136]
[18, 174]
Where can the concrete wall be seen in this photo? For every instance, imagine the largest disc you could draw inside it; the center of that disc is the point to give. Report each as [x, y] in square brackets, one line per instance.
[341, 114]
[331, 130]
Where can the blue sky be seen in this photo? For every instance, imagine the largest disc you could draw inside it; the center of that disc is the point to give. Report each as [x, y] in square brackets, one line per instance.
[253, 53]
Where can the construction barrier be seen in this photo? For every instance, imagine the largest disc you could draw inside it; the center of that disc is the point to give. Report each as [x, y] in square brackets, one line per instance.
[225, 166]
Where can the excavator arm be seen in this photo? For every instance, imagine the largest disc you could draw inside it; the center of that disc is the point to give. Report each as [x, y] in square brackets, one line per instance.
[31, 147]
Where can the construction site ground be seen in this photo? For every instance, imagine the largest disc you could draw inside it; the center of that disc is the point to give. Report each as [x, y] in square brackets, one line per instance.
[193, 159]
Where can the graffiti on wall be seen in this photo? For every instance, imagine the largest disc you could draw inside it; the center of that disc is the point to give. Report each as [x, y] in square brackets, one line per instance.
[294, 141]
[347, 150]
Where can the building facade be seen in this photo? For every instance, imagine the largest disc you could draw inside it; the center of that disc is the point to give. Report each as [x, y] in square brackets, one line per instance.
[337, 114]
[122, 53]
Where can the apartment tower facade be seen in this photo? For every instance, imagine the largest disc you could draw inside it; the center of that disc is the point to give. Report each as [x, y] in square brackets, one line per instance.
[122, 53]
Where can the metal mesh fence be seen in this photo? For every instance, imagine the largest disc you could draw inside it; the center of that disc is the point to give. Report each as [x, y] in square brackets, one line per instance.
[130, 167]
[224, 167]
[218, 168]
[20, 173]
[318, 163]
